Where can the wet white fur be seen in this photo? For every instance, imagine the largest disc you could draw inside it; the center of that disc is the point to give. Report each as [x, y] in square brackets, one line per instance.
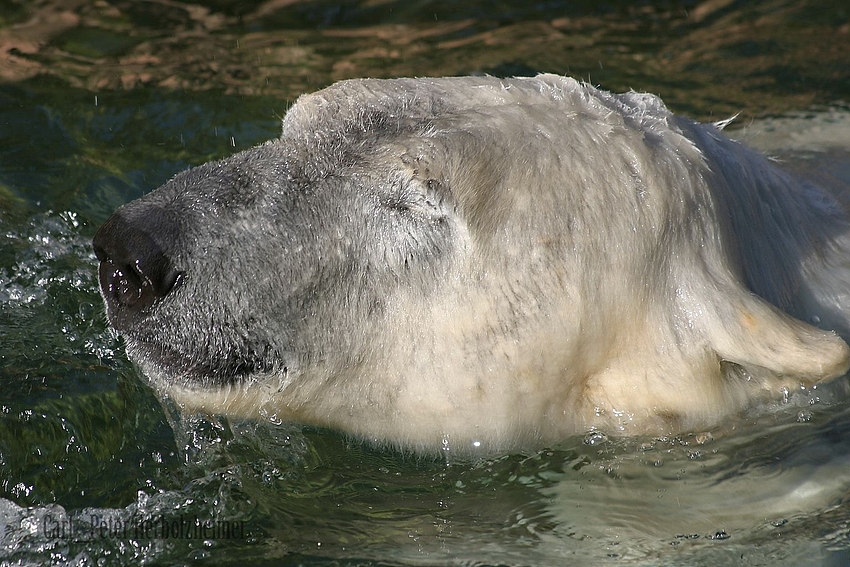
[612, 270]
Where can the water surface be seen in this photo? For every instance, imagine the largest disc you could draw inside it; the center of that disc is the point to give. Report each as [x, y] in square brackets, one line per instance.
[101, 102]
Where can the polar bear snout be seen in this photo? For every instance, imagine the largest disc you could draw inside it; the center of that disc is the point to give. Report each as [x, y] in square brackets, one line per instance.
[135, 270]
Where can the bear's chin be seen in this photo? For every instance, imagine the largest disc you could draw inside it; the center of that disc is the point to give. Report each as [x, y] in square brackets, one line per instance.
[167, 365]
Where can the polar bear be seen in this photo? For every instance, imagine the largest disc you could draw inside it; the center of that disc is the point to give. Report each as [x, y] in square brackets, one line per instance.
[481, 263]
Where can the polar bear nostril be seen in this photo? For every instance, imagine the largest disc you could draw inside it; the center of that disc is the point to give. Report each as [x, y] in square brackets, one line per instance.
[134, 269]
[120, 284]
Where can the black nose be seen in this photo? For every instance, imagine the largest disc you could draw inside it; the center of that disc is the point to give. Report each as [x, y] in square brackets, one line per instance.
[135, 271]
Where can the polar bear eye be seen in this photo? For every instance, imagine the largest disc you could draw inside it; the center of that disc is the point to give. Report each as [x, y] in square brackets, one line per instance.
[426, 198]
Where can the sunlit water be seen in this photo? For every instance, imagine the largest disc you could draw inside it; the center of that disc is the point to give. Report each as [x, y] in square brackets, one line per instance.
[96, 470]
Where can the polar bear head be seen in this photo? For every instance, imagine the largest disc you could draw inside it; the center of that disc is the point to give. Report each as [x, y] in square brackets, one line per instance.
[476, 262]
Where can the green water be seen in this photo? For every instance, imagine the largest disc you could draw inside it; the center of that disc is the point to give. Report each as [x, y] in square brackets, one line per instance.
[102, 102]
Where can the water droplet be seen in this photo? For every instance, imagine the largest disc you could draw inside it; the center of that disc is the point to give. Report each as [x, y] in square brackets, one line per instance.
[271, 417]
[595, 438]
[803, 416]
[703, 438]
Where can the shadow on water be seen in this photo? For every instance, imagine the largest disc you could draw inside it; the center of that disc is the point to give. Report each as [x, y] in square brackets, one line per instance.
[102, 101]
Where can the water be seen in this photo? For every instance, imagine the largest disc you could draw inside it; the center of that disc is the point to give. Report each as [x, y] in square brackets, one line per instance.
[101, 102]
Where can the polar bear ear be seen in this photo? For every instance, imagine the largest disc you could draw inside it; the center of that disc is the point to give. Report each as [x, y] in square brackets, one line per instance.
[750, 332]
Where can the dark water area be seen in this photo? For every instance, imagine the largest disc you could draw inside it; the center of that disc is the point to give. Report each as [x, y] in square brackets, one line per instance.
[102, 101]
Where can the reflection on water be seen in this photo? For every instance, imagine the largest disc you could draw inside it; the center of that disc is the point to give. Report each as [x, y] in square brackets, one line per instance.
[102, 101]
[775, 491]
[717, 56]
